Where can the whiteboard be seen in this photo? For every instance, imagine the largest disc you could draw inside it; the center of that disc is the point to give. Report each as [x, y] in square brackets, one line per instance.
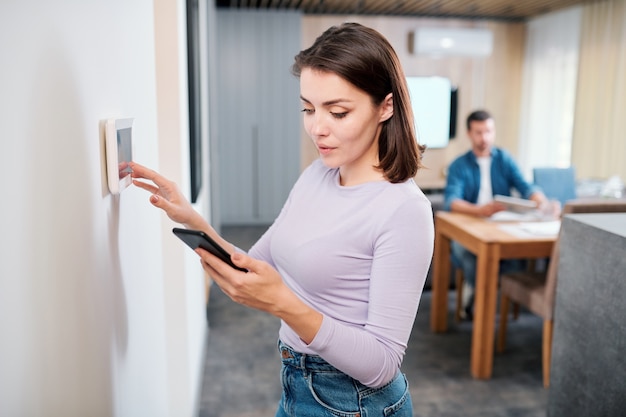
[431, 99]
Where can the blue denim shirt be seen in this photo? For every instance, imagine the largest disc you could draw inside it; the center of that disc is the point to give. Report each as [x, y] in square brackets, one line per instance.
[463, 181]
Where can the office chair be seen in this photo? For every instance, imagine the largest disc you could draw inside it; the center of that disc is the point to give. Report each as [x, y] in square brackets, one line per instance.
[556, 183]
[459, 280]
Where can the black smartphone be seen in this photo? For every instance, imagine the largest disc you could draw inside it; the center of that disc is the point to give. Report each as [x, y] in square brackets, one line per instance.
[197, 238]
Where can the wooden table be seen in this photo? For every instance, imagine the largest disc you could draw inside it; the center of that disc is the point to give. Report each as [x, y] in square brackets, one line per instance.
[490, 243]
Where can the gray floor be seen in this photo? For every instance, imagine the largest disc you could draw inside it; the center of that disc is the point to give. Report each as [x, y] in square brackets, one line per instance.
[241, 371]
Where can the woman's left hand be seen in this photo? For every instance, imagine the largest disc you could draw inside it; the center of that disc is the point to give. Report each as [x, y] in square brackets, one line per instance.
[260, 288]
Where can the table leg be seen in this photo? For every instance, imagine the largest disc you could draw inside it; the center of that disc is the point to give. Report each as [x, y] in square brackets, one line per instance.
[485, 299]
[440, 284]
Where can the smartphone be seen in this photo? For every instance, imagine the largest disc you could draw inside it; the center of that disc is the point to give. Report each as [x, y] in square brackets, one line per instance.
[198, 239]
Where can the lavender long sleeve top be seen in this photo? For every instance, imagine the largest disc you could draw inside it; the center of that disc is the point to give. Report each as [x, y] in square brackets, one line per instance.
[359, 255]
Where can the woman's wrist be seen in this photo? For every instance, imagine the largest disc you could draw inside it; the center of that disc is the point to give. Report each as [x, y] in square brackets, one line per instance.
[197, 222]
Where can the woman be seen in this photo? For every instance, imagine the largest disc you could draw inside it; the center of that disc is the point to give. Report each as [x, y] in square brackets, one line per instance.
[344, 263]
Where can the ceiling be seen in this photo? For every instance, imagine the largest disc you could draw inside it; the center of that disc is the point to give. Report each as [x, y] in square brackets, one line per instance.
[491, 9]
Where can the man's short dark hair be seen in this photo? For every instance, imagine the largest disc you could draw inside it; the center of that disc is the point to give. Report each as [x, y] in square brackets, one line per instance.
[477, 116]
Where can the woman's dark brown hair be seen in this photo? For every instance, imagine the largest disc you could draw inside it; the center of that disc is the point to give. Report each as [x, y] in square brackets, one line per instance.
[364, 58]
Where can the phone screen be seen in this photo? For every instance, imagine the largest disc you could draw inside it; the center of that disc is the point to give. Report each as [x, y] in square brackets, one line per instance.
[198, 239]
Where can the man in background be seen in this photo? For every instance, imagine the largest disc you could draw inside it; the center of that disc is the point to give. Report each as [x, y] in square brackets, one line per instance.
[472, 181]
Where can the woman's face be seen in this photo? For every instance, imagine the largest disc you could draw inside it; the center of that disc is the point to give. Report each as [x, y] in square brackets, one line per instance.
[343, 123]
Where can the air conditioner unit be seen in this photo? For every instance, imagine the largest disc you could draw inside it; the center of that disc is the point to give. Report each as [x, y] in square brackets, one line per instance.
[470, 42]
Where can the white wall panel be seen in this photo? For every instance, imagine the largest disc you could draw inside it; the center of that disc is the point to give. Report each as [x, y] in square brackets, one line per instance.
[87, 301]
[258, 113]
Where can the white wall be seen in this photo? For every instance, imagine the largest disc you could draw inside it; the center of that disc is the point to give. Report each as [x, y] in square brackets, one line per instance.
[101, 310]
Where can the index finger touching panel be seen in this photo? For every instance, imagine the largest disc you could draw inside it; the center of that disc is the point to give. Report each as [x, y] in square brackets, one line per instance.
[140, 171]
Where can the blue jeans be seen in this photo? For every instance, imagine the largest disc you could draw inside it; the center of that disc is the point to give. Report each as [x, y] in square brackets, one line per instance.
[466, 260]
[314, 388]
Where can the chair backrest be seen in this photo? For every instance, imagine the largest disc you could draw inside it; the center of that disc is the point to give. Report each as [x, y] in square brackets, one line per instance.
[573, 207]
[595, 205]
[556, 183]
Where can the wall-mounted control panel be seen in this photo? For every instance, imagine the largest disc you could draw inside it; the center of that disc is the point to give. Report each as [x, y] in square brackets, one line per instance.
[119, 153]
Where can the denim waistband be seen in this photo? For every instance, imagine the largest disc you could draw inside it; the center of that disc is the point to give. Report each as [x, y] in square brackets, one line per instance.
[302, 360]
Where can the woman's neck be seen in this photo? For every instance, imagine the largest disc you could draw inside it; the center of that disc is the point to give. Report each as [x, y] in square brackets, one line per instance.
[351, 177]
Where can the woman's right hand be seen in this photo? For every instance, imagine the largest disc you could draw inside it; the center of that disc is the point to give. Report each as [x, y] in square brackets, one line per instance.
[167, 196]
